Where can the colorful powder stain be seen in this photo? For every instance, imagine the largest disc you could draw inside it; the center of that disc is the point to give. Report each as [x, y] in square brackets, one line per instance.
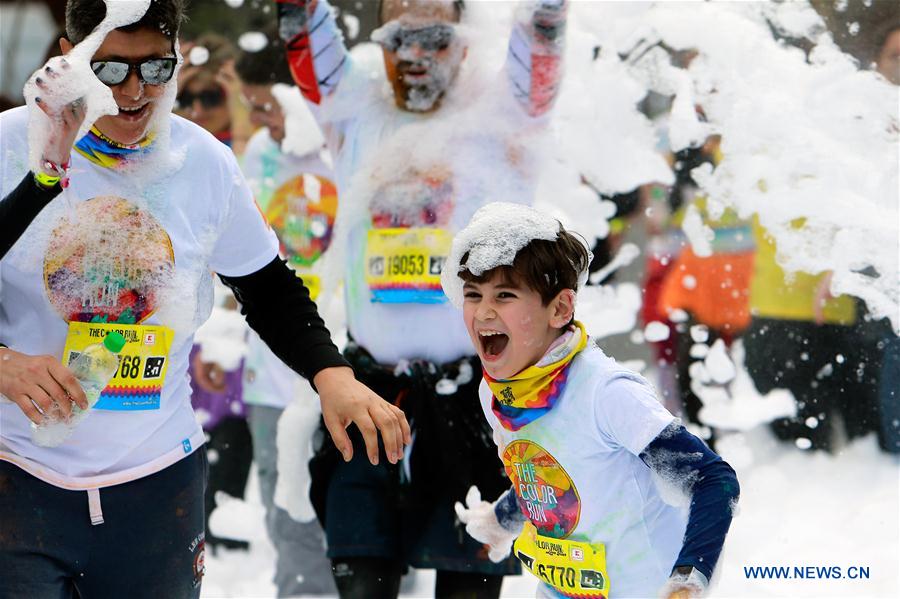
[546, 494]
[302, 212]
[414, 199]
[107, 261]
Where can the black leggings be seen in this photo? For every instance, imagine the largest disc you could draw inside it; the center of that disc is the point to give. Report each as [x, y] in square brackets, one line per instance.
[379, 578]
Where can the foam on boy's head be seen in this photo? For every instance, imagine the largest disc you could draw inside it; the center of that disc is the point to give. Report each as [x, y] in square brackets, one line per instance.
[495, 237]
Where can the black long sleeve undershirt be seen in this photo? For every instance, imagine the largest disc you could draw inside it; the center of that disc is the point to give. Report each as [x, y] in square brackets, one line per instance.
[277, 305]
[20, 207]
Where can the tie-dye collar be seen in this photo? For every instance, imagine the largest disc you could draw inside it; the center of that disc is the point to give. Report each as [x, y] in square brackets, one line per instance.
[527, 396]
[107, 153]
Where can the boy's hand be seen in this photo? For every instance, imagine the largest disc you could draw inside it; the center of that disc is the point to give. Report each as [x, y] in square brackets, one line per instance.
[482, 525]
[345, 400]
[684, 583]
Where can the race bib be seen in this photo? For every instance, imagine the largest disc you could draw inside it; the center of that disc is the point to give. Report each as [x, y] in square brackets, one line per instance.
[404, 265]
[313, 283]
[138, 383]
[572, 568]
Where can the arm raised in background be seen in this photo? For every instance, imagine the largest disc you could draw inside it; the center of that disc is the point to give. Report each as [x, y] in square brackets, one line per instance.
[534, 62]
[315, 46]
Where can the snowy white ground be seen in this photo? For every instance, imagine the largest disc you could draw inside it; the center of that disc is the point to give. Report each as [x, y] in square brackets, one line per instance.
[797, 509]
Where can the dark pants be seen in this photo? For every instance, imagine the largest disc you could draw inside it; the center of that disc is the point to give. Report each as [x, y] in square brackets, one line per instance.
[230, 451]
[150, 544]
[403, 513]
[691, 404]
[889, 396]
[829, 369]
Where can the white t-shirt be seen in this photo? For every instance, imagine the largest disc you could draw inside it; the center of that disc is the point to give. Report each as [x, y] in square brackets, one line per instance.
[449, 162]
[590, 483]
[156, 234]
[299, 199]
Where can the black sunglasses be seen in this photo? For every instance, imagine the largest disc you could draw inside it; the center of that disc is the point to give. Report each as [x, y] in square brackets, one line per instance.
[153, 71]
[209, 98]
[433, 38]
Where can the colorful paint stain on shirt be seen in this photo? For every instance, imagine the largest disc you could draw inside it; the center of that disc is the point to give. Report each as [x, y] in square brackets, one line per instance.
[545, 492]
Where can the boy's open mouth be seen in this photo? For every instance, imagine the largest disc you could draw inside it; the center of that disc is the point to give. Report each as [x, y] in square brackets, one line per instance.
[492, 343]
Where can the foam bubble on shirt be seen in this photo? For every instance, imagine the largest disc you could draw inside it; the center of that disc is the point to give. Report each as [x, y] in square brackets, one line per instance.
[674, 486]
[234, 3]
[187, 301]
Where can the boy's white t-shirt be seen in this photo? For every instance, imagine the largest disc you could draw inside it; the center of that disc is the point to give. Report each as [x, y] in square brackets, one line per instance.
[186, 212]
[275, 176]
[600, 491]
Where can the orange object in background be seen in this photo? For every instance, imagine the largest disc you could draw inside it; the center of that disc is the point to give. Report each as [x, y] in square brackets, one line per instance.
[715, 290]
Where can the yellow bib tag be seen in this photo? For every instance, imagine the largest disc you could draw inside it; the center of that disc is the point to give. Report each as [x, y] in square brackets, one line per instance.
[312, 282]
[404, 265]
[138, 383]
[574, 569]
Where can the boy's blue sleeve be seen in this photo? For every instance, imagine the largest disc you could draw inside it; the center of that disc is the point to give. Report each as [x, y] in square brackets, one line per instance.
[507, 511]
[681, 458]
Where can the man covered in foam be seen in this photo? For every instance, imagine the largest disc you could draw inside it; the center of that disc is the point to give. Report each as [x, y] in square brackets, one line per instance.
[119, 229]
[601, 472]
[419, 143]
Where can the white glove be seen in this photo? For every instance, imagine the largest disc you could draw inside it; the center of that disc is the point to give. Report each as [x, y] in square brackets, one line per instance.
[482, 525]
[685, 586]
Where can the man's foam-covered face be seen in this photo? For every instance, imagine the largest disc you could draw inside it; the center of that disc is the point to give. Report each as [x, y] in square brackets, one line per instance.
[422, 51]
[137, 101]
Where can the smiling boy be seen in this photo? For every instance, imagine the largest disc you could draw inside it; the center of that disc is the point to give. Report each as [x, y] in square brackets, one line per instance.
[592, 454]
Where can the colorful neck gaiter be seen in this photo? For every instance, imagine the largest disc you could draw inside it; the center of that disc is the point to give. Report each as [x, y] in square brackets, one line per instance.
[532, 393]
[101, 150]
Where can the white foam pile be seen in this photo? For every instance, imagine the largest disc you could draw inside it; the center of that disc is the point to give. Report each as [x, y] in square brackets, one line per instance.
[493, 237]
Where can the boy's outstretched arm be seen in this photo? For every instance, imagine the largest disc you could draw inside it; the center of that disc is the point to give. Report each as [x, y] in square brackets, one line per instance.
[684, 460]
[315, 46]
[534, 62]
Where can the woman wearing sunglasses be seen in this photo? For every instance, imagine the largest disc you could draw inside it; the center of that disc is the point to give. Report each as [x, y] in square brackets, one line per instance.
[119, 230]
[207, 89]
